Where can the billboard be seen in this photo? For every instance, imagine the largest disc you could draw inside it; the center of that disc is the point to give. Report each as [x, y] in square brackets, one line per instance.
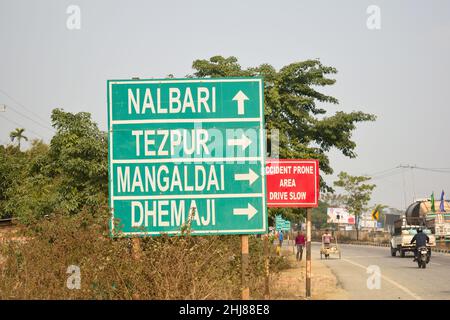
[339, 215]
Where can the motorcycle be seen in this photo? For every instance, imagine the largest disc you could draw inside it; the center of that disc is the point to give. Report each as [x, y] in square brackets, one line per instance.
[423, 257]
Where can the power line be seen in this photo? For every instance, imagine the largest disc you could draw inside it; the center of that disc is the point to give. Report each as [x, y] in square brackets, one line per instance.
[387, 175]
[31, 119]
[21, 105]
[18, 124]
[381, 172]
[27, 109]
[438, 170]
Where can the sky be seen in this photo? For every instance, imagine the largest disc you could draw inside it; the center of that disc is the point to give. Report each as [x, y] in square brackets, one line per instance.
[399, 71]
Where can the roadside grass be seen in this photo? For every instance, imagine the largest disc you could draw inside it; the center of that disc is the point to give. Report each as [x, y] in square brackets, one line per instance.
[182, 267]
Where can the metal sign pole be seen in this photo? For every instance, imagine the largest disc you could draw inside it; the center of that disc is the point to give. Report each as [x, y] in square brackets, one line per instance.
[266, 266]
[308, 253]
[244, 262]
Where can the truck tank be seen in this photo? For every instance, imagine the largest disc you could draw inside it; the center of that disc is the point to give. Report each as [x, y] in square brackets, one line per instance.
[418, 211]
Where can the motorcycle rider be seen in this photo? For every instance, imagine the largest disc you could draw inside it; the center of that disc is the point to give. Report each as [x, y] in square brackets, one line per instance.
[421, 240]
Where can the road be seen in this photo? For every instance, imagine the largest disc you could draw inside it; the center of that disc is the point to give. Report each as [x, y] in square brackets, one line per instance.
[400, 277]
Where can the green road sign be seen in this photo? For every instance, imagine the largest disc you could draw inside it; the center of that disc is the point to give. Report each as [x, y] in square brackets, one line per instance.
[178, 144]
[281, 224]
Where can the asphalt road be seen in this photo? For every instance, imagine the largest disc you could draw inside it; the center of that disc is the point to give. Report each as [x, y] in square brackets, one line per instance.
[400, 277]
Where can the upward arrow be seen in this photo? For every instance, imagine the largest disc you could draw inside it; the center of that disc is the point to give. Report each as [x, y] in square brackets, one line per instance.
[240, 97]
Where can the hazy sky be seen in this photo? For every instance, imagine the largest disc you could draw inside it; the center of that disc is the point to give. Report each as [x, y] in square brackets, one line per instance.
[399, 72]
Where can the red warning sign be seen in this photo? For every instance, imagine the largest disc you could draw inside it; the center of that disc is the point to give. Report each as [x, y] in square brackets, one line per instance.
[292, 183]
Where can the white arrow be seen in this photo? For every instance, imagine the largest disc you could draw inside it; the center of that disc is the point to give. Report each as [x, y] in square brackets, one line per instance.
[250, 211]
[251, 176]
[244, 142]
[240, 97]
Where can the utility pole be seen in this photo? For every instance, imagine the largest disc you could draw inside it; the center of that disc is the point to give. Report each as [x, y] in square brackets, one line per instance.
[2, 109]
[408, 166]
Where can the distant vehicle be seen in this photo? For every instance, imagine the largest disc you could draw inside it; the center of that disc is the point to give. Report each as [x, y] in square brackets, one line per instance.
[438, 222]
[403, 234]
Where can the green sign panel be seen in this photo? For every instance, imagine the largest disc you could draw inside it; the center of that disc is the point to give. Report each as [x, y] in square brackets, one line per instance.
[183, 146]
[281, 224]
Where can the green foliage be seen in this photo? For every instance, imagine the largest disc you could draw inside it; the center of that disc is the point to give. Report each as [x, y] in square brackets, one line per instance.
[319, 215]
[18, 136]
[334, 200]
[11, 163]
[292, 106]
[72, 173]
[357, 195]
[65, 177]
[168, 267]
[78, 155]
[295, 107]
[32, 195]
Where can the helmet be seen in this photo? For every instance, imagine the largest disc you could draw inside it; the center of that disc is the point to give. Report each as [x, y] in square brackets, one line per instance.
[419, 229]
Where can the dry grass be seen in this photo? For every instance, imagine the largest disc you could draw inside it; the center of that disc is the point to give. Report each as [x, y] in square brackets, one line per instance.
[185, 267]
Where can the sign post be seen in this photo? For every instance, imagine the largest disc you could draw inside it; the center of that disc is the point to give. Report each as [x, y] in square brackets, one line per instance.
[295, 183]
[244, 257]
[266, 268]
[187, 145]
[308, 253]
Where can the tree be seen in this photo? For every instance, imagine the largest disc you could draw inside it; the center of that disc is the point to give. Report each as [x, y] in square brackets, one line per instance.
[12, 162]
[319, 215]
[18, 135]
[32, 194]
[291, 105]
[78, 157]
[357, 194]
[334, 199]
[65, 177]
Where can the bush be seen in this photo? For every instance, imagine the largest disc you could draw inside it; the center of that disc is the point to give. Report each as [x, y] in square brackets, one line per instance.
[185, 267]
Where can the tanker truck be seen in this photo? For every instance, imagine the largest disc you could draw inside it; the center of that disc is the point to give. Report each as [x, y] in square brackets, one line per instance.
[418, 214]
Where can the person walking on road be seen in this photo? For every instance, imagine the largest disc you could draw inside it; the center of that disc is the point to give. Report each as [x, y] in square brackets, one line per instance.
[300, 243]
[326, 238]
[281, 238]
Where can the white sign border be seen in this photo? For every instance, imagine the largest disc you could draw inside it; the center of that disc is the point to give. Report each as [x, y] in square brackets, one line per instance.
[261, 157]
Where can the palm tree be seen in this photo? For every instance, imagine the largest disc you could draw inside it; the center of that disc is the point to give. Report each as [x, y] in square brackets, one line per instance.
[18, 134]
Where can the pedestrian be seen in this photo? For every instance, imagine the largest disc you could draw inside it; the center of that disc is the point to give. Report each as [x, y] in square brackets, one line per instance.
[326, 238]
[281, 238]
[300, 243]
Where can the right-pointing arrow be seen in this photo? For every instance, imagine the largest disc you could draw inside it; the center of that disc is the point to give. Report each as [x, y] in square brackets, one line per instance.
[244, 142]
[251, 176]
[250, 211]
